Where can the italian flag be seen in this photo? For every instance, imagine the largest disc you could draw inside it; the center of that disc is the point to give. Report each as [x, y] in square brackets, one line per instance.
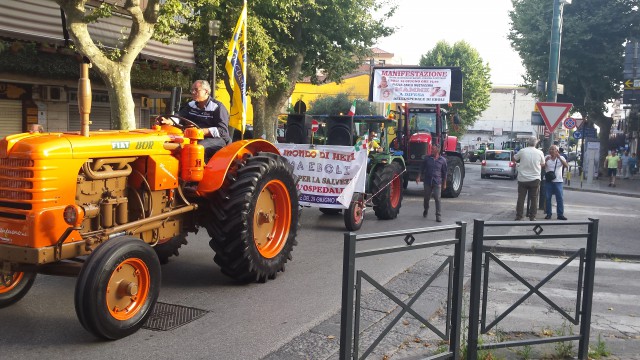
[352, 111]
[361, 144]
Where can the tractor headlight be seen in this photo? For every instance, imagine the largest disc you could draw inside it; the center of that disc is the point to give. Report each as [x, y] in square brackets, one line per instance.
[73, 215]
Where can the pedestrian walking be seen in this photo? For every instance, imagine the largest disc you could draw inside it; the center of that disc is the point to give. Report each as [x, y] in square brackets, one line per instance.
[433, 171]
[554, 163]
[633, 163]
[531, 161]
[625, 165]
[611, 162]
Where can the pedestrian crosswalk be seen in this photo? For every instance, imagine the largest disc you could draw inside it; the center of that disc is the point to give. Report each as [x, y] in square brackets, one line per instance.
[616, 299]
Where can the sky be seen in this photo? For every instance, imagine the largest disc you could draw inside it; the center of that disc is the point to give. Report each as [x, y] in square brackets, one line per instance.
[482, 24]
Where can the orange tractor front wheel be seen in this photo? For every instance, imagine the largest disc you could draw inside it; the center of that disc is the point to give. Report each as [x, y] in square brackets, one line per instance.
[118, 288]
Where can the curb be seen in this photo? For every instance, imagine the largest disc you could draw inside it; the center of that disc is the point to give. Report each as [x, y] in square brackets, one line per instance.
[555, 252]
[601, 192]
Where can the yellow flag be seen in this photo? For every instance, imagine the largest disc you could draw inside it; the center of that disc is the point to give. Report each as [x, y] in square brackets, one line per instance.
[236, 67]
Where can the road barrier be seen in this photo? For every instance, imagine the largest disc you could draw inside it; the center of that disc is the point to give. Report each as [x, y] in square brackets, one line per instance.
[352, 282]
[480, 278]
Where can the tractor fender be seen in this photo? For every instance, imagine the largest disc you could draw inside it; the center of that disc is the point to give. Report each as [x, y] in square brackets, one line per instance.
[218, 166]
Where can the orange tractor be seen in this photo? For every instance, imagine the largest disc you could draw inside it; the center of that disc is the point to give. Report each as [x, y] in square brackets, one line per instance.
[111, 206]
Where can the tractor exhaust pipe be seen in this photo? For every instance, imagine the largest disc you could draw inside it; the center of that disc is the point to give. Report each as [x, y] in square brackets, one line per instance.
[84, 97]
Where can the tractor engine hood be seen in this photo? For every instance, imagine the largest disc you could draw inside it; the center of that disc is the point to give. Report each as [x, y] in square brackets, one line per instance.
[75, 146]
[422, 137]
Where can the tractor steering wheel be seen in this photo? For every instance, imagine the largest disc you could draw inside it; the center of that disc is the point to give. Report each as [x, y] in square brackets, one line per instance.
[186, 123]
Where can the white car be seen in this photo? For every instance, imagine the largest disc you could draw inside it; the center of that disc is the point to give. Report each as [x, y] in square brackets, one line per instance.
[499, 163]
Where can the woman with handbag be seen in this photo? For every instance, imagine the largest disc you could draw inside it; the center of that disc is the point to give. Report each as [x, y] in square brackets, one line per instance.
[554, 164]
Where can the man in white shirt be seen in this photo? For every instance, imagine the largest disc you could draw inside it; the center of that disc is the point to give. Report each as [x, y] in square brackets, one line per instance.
[531, 161]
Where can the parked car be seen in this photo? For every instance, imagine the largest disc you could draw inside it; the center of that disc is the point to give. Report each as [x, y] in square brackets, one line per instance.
[499, 163]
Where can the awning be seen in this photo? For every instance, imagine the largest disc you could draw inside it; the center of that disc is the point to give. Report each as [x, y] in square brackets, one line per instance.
[38, 20]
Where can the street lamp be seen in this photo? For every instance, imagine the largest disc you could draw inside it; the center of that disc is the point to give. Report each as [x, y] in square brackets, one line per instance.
[214, 32]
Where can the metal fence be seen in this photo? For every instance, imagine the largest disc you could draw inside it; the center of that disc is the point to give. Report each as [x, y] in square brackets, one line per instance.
[480, 278]
[352, 281]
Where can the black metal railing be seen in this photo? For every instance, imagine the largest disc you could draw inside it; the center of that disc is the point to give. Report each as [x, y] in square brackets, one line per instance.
[480, 280]
[352, 281]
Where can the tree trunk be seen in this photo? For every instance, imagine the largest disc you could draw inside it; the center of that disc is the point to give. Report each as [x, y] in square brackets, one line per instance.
[267, 108]
[258, 117]
[121, 100]
[604, 123]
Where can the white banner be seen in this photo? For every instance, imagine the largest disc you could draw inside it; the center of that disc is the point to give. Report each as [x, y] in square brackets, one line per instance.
[328, 175]
[417, 86]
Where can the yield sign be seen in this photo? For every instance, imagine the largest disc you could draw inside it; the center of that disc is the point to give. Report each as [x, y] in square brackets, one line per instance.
[553, 113]
[578, 122]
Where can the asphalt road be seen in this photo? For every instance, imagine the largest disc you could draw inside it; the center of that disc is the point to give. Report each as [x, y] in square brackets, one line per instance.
[252, 321]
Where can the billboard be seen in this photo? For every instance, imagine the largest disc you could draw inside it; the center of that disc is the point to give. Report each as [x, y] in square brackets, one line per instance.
[416, 85]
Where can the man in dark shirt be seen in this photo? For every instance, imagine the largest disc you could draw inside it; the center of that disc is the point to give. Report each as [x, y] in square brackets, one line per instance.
[210, 115]
[434, 173]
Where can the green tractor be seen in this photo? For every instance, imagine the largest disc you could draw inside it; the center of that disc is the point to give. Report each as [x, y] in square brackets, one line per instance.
[478, 154]
[515, 145]
[385, 169]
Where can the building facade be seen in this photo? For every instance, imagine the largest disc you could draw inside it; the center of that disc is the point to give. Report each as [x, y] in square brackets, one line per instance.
[507, 117]
[39, 70]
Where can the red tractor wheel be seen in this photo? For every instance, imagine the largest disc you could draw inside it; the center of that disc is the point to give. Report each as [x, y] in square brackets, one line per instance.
[118, 288]
[386, 185]
[354, 215]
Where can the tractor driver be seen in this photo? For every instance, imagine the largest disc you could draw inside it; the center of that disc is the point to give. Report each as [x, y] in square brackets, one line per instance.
[209, 114]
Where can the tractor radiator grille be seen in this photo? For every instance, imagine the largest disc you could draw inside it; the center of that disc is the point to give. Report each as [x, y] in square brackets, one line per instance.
[417, 150]
[16, 187]
[20, 163]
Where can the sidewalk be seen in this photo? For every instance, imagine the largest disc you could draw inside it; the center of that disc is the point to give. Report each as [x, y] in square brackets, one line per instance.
[624, 187]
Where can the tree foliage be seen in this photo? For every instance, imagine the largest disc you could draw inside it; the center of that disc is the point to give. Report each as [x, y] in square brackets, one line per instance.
[591, 55]
[476, 83]
[158, 20]
[339, 105]
[290, 40]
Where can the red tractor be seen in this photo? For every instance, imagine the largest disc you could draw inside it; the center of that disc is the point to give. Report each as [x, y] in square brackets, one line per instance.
[111, 206]
[421, 127]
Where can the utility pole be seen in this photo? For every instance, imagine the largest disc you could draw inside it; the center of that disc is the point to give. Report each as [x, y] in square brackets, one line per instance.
[214, 32]
[554, 69]
[513, 113]
[554, 56]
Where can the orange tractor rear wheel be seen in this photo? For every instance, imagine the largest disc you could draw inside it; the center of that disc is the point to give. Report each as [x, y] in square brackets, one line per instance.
[254, 219]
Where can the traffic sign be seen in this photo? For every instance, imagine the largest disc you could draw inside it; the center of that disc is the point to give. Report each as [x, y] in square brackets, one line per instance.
[553, 113]
[577, 135]
[590, 133]
[569, 123]
[632, 84]
[314, 125]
